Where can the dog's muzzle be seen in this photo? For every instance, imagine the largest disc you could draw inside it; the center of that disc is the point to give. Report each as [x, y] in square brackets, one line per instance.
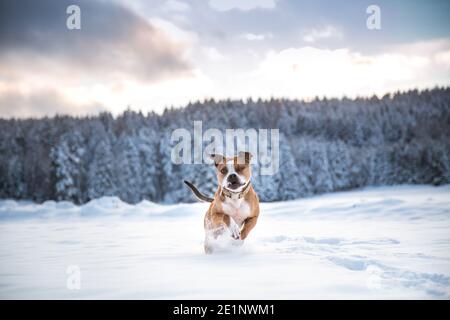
[233, 181]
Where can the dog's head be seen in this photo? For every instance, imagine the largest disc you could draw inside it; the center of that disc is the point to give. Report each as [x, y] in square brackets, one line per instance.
[233, 173]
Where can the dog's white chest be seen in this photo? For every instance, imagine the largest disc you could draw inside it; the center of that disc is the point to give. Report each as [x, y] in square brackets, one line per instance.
[238, 209]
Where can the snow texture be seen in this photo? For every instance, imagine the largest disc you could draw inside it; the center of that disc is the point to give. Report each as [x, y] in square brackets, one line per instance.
[385, 242]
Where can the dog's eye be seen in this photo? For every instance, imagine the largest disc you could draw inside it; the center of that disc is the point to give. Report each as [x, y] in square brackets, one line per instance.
[223, 171]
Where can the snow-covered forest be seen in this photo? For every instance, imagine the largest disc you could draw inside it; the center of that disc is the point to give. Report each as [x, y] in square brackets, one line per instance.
[325, 145]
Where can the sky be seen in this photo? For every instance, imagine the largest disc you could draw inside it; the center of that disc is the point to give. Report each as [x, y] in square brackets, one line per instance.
[149, 55]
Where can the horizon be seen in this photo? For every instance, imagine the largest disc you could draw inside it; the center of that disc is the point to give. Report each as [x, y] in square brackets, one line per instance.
[245, 101]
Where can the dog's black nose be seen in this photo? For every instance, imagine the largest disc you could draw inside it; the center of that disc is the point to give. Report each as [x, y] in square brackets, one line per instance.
[232, 177]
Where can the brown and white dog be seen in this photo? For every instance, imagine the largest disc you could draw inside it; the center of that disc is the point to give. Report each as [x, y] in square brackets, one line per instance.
[235, 206]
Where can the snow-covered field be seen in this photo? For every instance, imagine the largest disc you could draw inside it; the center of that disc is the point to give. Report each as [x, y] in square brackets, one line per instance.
[389, 242]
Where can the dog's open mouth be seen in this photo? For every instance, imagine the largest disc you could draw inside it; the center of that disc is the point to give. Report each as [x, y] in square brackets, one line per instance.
[233, 185]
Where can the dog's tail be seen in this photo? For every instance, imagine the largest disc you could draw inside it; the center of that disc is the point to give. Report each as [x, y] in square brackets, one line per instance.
[200, 196]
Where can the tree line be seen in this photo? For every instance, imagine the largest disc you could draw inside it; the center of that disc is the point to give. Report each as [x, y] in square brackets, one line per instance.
[325, 145]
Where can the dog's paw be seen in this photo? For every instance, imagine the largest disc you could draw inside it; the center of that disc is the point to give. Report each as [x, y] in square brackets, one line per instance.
[235, 236]
[234, 230]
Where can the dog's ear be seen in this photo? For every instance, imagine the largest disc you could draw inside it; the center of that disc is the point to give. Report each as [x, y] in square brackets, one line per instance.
[217, 158]
[244, 157]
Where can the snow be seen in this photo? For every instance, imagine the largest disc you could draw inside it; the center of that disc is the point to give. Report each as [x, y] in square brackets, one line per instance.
[379, 242]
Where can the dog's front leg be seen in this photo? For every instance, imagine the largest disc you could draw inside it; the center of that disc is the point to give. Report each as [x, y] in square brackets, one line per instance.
[235, 230]
[249, 223]
[232, 226]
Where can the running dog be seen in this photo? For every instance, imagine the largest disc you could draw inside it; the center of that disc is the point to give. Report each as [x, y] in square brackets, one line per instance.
[235, 206]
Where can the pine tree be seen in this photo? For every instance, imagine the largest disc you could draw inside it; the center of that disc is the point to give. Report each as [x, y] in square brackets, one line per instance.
[102, 175]
[339, 164]
[150, 164]
[288, 184]
[128, 169]
[322, 181]
[67, 160]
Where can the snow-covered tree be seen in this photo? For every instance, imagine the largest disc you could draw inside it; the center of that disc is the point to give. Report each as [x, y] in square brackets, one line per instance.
[289, 184]
[150, 164]
[340, 165]
[67, 159]
[322, 181]
[128, 168]
[102, 175]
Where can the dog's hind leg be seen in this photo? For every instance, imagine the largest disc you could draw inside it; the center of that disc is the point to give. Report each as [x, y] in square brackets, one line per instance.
[211, 236]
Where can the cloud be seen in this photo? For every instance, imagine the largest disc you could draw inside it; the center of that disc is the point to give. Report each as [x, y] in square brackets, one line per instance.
[181, 36]
[175, 5]
[308, 71]
[244, 5]
[197, 51]
[121, 58]
[46, 69]
[212, 54]
[17, 104]
[443, 58]
[326, 32]
[257, 37]
[112, 41]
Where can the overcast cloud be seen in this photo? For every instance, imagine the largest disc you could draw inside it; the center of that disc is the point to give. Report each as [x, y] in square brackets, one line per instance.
[151, 54]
